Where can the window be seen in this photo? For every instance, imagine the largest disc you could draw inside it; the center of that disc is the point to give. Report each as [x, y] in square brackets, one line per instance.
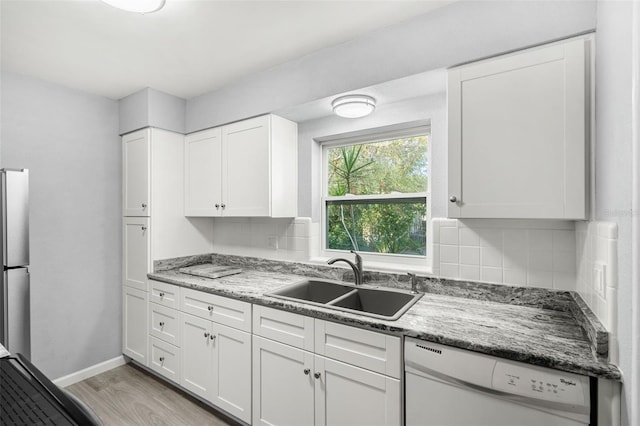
[375, 194]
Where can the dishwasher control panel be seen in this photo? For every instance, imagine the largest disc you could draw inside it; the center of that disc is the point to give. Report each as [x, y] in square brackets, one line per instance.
[542, 384]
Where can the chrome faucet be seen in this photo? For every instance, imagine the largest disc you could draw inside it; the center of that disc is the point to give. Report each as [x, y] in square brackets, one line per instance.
[357, 267]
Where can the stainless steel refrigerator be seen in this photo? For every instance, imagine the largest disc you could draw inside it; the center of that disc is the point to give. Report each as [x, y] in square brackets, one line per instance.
[15, 322]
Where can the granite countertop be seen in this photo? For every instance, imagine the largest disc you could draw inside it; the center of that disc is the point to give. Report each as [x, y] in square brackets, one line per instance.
[536, 326]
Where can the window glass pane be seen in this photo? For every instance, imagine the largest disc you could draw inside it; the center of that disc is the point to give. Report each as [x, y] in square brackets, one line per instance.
[396, 226]
[390, 166]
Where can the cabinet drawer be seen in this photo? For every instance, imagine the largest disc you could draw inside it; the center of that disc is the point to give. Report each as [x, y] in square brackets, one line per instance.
[164, 358]
[285, 327]
[164, 323]
[165, 294]
[367, 349]
[222, 310]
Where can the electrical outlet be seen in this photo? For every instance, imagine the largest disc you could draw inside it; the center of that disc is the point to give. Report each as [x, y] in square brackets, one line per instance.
[599, 279]
[272, 242]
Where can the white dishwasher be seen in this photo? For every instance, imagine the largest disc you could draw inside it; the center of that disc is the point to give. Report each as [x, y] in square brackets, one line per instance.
[447, 386]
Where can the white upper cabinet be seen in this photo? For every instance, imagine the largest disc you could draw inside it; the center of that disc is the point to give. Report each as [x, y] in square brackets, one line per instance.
[203, 173]
[136, 168]
[518, 134]
[246, 169]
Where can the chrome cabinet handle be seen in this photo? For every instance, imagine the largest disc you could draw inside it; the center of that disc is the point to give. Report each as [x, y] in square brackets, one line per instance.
[144, 206]
[316, 375]
[161, 294]
[144, 228]
[453, 198]
[307, 371]
[161, 323]
[210, 308]
[223, 205]
[212, 337]
[217, 206]
[161, 359]
[206, 335]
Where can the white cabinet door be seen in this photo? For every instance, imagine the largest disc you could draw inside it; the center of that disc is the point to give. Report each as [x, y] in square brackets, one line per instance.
[232, 371]
[136, 259]
[203, 174]
[246, 171]
[164, 358]
[135, 332]
[165, 323]
[283, 384]
[197, 365]
[136, 169]
[517, 134]
[348, 395]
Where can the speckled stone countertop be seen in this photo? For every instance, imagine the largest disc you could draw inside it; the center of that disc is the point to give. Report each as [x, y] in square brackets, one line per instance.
[542, 327]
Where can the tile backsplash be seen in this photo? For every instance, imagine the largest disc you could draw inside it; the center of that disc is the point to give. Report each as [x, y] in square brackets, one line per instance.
[279, 239]
[537, 253]
[597, 275]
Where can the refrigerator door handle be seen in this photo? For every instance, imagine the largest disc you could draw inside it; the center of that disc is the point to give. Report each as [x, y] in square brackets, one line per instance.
[14, 205]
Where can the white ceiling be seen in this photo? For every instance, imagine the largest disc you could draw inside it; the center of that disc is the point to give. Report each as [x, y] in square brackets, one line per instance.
[186, 49]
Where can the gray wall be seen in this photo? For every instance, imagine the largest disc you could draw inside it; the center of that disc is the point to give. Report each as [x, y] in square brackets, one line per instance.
[69, 141]
[614, 169]
[151, 108]
[460, 32]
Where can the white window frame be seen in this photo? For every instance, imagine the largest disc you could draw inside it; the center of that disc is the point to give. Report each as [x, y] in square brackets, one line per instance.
[378, 261]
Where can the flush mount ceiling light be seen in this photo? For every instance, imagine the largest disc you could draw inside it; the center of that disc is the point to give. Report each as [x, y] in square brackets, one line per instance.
[353, 106]
[137, 6]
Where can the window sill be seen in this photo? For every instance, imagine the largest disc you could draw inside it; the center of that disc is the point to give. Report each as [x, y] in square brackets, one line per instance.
[385, 267]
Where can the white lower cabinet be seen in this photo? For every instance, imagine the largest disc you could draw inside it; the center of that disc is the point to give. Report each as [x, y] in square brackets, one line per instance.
[349, 395]
[293, 386]
[283, 384]
[134, 332]
[164, 358]
[216, 364]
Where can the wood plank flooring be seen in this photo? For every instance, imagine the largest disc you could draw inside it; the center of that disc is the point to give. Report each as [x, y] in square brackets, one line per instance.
[128, 395]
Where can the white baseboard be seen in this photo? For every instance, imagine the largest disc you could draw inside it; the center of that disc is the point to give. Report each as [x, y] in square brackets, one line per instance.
[94, 370]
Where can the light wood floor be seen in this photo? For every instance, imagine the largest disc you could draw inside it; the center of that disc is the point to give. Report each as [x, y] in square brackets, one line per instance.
[128, 395]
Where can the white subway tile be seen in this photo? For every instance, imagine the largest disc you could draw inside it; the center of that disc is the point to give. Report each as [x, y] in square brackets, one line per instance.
[516, 259]
[490, 238]
[515, 239]
[612, 310]
[448, 235]
[541, 260]
[564, 280]
[564, 261]
[540, 239]
[608, 230]
[540, 278]
[468, 237]
[448, 253]
[612, 264]
[450, 270]
[435, 255]
[469, 272]
[564, 240]
[469, 255]
[490, 256]
[515, 276]
[491, 275]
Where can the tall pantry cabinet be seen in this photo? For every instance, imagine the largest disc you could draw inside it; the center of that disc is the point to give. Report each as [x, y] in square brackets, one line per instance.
[154, 226]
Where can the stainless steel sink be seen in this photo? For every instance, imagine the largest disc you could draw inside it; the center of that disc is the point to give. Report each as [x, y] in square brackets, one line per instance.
[387, 304]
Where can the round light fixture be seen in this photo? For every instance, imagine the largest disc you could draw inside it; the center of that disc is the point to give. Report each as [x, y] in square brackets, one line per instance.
[137, 6]
[353, 106]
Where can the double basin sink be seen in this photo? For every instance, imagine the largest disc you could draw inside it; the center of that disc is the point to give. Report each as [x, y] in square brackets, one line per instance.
[387, 304]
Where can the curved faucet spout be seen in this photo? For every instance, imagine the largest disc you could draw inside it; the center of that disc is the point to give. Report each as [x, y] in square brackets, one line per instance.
[357, 267]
